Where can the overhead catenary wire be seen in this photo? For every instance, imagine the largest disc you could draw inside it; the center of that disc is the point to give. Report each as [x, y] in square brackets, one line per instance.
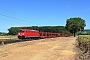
[16, 15]
[15, 19]
[7, 11]
[11, 20]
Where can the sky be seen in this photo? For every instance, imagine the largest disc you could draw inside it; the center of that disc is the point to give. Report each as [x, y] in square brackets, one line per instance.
[18, 13]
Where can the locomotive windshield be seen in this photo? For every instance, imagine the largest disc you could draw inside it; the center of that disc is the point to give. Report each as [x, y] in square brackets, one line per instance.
[21, 30]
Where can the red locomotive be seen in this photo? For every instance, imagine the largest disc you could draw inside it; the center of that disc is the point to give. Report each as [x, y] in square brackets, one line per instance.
[26, 33]
[35, 34]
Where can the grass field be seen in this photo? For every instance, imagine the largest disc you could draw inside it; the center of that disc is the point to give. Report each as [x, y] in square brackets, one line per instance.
[88, 36]
[84, 38]
[84, 45]
[8, 37]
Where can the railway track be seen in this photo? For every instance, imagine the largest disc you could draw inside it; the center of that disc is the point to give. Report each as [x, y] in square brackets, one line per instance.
[9, 41]
[4, 42]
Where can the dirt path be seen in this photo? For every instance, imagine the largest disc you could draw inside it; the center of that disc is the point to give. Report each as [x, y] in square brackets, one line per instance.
[62, 48]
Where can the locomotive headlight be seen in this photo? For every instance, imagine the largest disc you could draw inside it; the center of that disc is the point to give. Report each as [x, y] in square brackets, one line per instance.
[23, 34]
[18, 33]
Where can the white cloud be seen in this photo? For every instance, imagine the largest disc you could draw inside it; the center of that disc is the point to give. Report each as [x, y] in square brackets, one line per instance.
[85, 10]
[69, 7]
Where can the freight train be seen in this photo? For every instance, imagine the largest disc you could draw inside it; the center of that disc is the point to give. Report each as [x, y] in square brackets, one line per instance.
[35, 34]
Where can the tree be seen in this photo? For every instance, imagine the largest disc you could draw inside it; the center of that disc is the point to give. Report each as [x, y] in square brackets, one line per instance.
[75, 24]
[13, 31]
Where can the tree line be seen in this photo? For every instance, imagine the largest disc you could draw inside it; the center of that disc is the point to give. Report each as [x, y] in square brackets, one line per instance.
[55, 29]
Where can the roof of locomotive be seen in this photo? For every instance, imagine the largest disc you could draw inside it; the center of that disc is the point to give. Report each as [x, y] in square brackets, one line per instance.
[28, 30]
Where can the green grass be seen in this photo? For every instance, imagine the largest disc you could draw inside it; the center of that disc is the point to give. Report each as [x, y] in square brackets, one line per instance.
[84, 36]
[84, 45]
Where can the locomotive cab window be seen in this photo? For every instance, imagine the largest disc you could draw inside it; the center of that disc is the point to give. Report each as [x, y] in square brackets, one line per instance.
[21, 30]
